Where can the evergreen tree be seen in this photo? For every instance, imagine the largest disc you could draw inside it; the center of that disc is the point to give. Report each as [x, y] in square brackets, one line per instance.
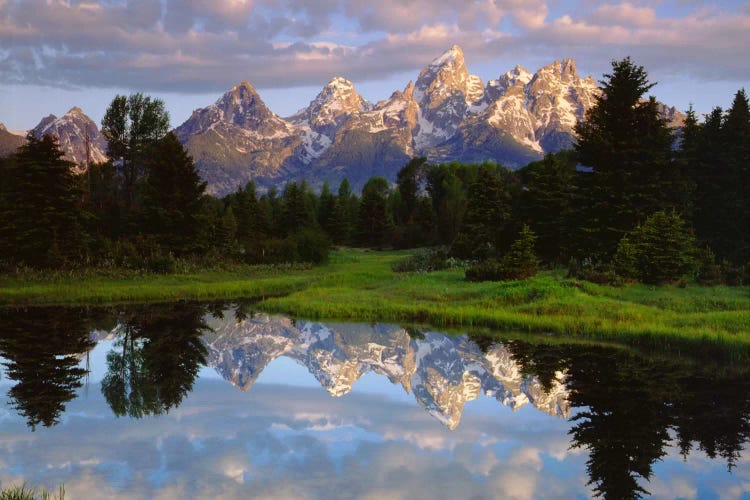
[521, 261]
[664, 248]
[41, 217]
[449, 200]
[628, 146]
[297, 213]
[252, 219]
[103, 201]
[489, 209]
[327, 212]
[373, 214]
[548, 203]
[347, 214]
[173, 193]
[407, 180]
[736, 132]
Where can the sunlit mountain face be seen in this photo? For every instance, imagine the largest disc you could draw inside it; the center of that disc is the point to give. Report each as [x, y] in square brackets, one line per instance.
[197, 400]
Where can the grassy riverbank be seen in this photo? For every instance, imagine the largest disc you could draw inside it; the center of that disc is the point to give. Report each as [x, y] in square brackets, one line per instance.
[360, 286]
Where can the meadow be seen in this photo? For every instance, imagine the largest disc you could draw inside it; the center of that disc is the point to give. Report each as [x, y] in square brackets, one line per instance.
[359, 285]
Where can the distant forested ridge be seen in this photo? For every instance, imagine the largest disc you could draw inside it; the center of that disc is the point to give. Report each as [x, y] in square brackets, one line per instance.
[632, 200]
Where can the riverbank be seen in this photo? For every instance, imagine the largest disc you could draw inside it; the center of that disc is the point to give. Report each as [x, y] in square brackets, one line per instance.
[359, 285]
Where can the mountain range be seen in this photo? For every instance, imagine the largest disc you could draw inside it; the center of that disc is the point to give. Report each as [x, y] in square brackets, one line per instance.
[442, 372]
[446, 114]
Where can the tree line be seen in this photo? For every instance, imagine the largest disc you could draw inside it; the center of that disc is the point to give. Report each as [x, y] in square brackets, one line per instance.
[634, 199]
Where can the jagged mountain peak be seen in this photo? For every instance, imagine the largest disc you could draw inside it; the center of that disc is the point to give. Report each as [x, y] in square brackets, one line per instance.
[452, 56]
[78, 137]
[564, 70]
[445, 75]
[76, 111]
[331, 107]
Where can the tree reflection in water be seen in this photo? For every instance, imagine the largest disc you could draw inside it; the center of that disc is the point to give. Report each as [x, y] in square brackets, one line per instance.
[156, 359]
[42, 349]
[630, 403]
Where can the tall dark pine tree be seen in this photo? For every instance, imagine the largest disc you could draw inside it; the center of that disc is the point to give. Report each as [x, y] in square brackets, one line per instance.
[41, 349]
[172, 196]
[347, 212]
[373, 214]
[628, 146]
[40, 214]
[296, 212]
[736, 133]
[489, 209]
[327, 211]
[548, 203]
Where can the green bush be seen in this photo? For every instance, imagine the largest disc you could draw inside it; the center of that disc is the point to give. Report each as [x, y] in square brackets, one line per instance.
[519, 263]
[661, 250]
[594, 271]
[162, 264]
[709, 272]
[312, 246]
[426, 260]
[626, 260]
[488, 270]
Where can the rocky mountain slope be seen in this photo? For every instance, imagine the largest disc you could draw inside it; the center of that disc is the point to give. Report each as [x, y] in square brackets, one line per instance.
[9, 141]
[443, 373]
[78, 135]
[447, 114]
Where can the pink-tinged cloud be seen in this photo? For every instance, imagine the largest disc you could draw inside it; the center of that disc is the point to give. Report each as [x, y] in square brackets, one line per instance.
[203, 45]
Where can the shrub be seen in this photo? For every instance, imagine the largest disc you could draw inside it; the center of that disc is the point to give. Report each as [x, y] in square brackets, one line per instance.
[733, 275]
[625, 262]
[709, 272]
[425, 260]
[162, 264]
[312, 246]
[488, 270]
[664, 248]
[519, 263]
[594, 271]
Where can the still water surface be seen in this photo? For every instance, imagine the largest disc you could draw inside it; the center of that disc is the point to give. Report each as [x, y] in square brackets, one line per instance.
[216, 401]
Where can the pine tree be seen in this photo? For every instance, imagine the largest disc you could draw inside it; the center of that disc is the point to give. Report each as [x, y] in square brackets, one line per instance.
[736, 133]
[548, 203]
[297, 213]
[173, 195]
[327, 212]
[41, 221]
[374, 225]
[521, 261]
[489, 209]
[628, 146]
[665, 248]
[252, 223]
[347, 214]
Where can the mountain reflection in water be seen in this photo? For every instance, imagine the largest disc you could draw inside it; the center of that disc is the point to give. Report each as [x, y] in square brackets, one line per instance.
[623, 409]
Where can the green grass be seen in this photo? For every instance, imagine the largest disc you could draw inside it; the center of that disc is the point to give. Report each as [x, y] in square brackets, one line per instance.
[359, 285]
[23, 492]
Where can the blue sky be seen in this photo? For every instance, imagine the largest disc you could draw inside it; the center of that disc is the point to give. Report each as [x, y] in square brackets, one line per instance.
[56, 54]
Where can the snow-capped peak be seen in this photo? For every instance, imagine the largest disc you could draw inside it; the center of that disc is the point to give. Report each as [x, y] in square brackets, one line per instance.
[335, 103]
[76, 111]
[448, 57]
